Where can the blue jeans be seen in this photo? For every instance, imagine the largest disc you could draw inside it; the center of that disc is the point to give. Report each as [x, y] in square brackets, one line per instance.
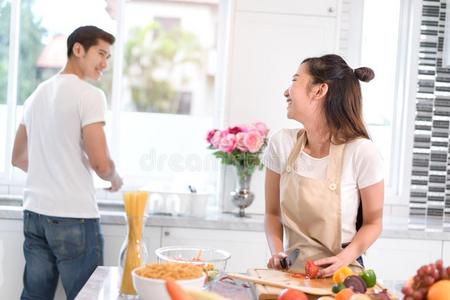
[55, 246]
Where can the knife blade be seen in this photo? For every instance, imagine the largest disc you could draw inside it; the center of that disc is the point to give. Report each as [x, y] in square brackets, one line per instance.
[288, 261]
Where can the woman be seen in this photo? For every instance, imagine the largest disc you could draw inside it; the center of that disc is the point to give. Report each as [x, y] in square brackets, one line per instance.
[317, 177]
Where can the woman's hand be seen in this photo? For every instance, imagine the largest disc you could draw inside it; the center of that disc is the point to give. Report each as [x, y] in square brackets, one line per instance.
[329, 265]
[274, 260]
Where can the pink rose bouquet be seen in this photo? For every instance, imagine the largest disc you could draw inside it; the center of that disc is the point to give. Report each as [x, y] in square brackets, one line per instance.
[240, 145]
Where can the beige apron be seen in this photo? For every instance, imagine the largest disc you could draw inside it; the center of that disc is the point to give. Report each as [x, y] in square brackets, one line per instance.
[311, 208]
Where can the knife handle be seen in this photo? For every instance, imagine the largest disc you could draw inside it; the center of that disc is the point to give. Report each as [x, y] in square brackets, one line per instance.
[283, 263]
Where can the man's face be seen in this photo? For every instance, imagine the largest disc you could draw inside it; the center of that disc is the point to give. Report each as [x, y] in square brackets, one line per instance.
[95, 60]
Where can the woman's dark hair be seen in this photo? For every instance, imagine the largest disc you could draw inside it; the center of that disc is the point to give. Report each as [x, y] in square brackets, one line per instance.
[343, 105]
[88, 36]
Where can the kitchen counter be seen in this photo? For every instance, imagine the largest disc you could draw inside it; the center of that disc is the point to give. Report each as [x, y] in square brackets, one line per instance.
[103, 285]
[111, 212]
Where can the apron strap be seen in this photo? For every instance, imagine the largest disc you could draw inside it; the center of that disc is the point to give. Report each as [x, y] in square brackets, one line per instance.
[298, 148]
[334, 170]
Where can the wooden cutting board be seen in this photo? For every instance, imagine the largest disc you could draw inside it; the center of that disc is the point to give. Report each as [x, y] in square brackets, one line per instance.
[268, 293]
[271, 293]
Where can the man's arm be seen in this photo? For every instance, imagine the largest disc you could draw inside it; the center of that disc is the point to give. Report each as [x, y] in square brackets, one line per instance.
[20, 150]
[98, 154]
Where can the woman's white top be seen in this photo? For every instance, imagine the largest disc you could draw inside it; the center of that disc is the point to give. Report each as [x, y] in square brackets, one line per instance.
[362, 167]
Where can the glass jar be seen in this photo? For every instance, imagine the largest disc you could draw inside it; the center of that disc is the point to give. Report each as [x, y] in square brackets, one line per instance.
[133, 254]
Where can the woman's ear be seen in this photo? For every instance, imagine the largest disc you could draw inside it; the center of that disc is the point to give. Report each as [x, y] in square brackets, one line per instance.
[320, 91]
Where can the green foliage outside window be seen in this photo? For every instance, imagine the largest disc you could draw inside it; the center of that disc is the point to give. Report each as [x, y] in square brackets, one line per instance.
[30, 46]
[5, 12]
[152, 56]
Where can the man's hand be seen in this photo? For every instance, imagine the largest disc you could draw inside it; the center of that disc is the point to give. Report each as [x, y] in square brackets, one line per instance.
[116, 183]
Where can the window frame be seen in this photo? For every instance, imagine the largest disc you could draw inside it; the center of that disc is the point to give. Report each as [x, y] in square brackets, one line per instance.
[398, 176]
[11, 93]
[399, 184]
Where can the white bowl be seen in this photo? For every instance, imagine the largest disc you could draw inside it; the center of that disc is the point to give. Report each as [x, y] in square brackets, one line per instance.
[152, 289]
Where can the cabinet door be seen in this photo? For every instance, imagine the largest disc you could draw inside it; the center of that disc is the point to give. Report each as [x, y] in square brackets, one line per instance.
[398, 259]
[248, 248]
[115, 235]
[12, 261]
[446, 253]
[302, 7]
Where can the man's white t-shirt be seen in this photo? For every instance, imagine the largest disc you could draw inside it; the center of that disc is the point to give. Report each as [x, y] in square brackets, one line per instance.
[362, 167]
[59, 181]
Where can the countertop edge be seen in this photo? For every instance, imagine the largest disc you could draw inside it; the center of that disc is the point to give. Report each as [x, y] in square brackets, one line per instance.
[394, 227]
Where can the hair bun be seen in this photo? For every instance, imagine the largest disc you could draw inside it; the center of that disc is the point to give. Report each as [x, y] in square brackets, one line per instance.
[364, 74]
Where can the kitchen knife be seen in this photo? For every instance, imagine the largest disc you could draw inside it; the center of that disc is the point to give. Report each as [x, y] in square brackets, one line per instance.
[288, 261]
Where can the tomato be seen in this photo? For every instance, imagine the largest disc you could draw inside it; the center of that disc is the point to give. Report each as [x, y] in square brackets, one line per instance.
[297, 275]
[291, 294]
[369, 277]
[311, 269]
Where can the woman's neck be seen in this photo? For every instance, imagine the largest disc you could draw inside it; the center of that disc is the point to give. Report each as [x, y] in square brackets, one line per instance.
[318, 142]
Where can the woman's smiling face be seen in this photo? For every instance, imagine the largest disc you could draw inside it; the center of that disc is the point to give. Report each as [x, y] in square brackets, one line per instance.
[298, 95]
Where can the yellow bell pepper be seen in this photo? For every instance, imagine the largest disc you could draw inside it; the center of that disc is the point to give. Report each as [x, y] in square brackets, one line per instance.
[341, 273]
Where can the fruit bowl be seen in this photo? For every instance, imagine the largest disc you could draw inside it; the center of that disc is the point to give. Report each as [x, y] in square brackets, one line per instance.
[213, 261]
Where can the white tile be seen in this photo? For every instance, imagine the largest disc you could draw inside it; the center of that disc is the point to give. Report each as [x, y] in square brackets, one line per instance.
[100, 194]
[4, 189]
[399, 210]
[387, 210]
[15, 190]
[115, 196]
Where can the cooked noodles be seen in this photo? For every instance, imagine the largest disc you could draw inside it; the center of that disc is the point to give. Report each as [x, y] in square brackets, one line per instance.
[170, 271]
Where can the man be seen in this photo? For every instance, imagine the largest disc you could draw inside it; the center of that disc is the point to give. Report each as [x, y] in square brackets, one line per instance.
[58, 142]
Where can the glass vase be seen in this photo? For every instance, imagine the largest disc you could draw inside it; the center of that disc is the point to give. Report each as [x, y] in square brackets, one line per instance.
[133, 254]
[241, 196]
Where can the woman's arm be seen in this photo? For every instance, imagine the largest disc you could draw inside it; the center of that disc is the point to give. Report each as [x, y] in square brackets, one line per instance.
[272, 222]
[372, 199]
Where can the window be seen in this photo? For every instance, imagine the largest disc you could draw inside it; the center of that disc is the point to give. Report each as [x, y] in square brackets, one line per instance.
[167, 95]
[163, 67]
[379, 51]
[5, 13]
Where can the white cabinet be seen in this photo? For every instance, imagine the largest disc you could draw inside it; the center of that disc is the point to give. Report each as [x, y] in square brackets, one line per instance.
[248, 248]
[446, 253]
[398, 259]
[302, 7]
[115, 235]
[12, 261]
